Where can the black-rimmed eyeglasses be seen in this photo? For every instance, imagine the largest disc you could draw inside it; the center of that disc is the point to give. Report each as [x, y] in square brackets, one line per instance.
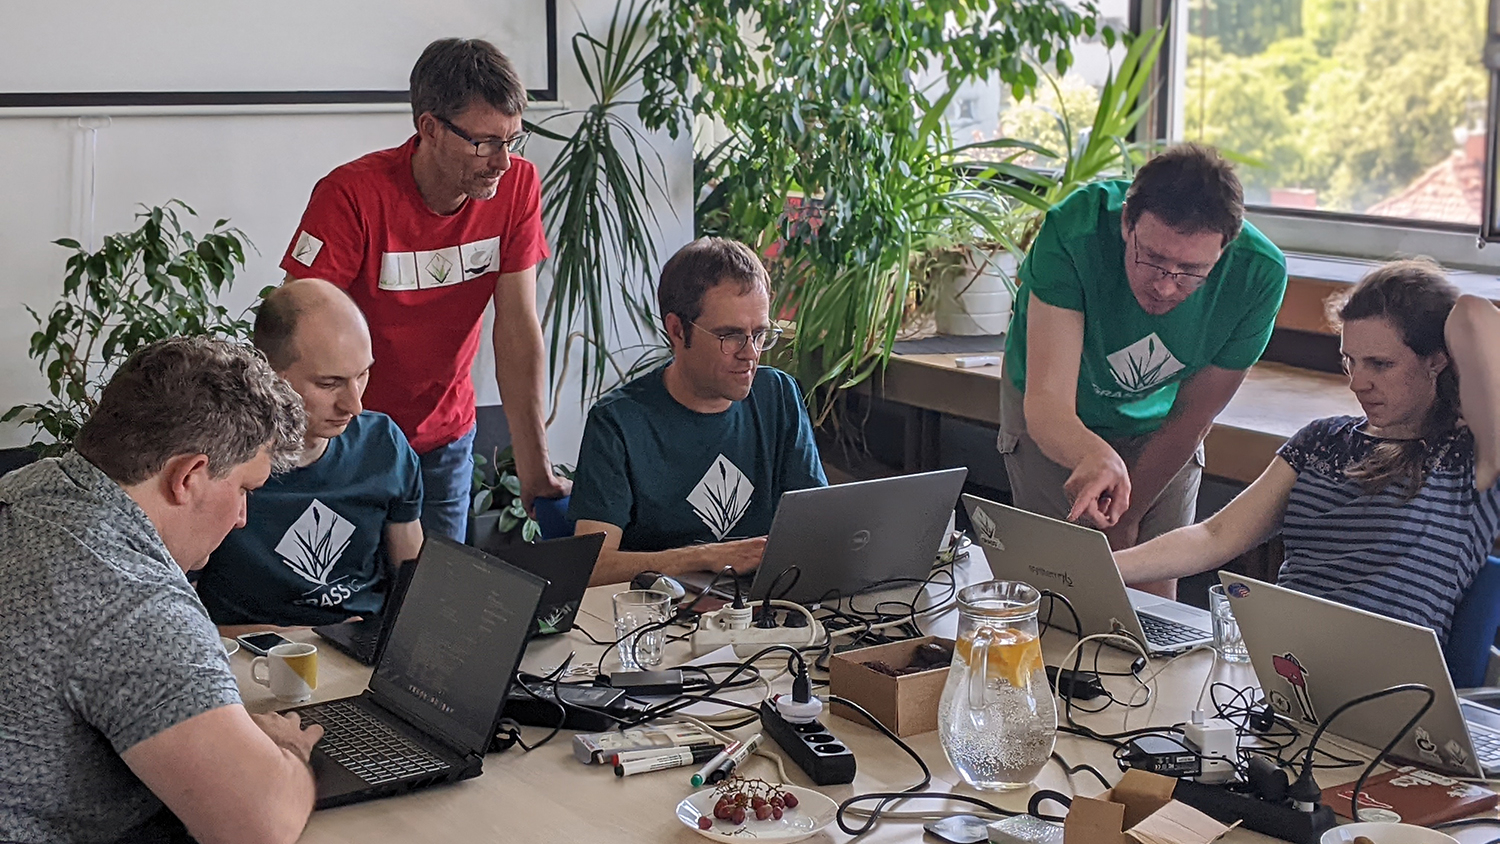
[489, 148]
[733, 342]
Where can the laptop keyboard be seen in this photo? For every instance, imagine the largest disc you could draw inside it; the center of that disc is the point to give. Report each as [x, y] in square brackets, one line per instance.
[1167, 634]
[366, 746]
[1486, 745]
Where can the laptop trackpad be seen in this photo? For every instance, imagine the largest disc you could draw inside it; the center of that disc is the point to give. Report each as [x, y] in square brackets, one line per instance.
[1172, 611]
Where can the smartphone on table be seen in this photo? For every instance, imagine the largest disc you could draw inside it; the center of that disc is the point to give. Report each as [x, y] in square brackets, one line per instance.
[261, 643]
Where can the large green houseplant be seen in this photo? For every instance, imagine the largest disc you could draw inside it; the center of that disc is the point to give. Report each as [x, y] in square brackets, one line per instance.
[140, 286]
[1026, 176]
[1036, 177]
[824, 100]
[597, 204]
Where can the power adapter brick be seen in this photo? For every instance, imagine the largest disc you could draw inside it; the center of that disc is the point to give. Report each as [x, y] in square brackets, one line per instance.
[1025, 829]
[646, 683]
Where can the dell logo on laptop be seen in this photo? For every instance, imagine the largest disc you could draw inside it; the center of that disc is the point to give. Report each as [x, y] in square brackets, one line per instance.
[859, 540]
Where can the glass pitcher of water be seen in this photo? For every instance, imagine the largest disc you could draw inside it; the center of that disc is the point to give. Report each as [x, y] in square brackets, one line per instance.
[997, 720]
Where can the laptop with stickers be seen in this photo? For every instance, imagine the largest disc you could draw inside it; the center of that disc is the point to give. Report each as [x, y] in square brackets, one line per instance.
[1075, 561]
[1312, 655]
[566, 564]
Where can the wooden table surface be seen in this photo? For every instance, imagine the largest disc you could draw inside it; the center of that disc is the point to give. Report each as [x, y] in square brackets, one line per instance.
[1274, 402]
[546, 795]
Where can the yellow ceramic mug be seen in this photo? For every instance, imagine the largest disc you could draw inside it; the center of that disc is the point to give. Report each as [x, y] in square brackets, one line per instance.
[291, 671]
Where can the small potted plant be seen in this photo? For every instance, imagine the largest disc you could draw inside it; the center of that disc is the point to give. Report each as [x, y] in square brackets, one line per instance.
[496, 517]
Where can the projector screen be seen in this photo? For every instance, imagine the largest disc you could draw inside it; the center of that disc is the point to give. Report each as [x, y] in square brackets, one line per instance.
[213, 52]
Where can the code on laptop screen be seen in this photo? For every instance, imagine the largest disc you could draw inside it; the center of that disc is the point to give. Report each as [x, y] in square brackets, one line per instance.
[456, 641]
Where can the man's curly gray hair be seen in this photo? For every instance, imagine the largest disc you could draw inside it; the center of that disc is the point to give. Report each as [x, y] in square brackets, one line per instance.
[192, 395]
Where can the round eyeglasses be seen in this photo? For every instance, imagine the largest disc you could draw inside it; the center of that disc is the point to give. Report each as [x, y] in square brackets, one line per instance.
[733, 342]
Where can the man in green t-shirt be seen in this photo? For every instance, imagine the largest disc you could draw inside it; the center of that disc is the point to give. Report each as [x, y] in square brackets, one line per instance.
[1141, 306]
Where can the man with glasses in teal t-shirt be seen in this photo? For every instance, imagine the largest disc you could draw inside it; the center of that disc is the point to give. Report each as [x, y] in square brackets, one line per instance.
[1141, 306]
[682, 468]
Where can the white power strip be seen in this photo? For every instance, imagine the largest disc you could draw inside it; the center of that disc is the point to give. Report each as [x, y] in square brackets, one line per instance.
[728, 626]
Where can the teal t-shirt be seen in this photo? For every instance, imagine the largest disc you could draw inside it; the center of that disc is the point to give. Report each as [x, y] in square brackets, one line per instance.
[1132, 361]
[669, 477]
[308, 553]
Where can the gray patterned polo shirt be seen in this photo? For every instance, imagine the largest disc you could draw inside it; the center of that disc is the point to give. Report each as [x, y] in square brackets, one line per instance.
[103, 644]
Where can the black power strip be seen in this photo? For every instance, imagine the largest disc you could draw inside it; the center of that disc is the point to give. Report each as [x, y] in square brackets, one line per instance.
[815, 750]
[1273, 819]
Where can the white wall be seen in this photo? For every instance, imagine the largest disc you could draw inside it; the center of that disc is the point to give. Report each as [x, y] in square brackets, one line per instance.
[256, 169]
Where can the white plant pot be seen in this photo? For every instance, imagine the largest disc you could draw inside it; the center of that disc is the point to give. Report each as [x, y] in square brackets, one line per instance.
[977, 300]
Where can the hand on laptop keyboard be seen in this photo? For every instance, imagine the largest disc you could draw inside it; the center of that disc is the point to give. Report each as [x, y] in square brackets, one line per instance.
[287, 731]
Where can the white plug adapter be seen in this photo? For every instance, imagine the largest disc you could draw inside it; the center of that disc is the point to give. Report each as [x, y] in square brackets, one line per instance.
[1217, 743]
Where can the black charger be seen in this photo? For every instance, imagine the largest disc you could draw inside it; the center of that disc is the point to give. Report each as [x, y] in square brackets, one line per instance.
[645, 683]
[1078, 685]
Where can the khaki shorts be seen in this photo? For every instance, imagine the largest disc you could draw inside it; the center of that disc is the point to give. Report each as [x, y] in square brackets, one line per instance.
[1036, 483]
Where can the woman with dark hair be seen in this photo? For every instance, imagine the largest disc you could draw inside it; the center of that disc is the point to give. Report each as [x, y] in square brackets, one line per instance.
[1395, 511]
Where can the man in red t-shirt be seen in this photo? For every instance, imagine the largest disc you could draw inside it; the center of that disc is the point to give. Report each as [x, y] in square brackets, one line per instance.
[423, 237]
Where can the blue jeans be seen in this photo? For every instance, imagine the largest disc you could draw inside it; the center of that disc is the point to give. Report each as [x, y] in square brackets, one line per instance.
[447, 481]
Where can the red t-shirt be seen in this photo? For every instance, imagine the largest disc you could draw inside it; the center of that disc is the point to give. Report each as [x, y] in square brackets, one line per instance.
[422, 279]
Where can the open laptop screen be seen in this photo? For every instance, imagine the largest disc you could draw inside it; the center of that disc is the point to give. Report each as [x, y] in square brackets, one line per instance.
[456, 641]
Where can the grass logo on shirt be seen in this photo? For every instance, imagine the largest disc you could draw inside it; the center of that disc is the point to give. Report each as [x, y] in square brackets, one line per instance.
[312, 546]
[721, 498]
[307, 249]
[1144, 364]
[434, 268]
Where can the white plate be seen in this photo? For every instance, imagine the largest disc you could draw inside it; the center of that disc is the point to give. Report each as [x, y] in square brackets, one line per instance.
[1386, 833]
[231, 646]
[814, 811]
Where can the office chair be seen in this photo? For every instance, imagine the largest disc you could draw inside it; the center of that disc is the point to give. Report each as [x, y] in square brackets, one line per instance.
[1475, 622]
[552, 517]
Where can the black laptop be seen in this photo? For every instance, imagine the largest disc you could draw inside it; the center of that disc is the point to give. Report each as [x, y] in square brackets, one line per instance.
[566, 564]
[363, 639]
[435, 697]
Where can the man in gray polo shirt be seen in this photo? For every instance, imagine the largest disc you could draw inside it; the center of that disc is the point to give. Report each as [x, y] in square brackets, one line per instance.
[119, 716]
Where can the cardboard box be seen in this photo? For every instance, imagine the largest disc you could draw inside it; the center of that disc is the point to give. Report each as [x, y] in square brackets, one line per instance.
[1139, 810]
[906, 705]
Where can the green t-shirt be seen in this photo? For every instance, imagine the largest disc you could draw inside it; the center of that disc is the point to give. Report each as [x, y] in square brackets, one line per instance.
[1132, 361]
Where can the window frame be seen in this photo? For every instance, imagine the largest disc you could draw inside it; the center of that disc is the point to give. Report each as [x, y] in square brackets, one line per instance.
[1335, 233]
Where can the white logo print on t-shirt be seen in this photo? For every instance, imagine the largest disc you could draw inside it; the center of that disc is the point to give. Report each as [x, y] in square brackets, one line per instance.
[1143, 364]
[307, 249]
[314, 543]
[439, 267]
[722, 496]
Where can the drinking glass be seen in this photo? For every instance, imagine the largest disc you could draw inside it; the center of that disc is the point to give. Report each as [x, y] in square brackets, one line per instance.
[1227, 639]
[635, 609]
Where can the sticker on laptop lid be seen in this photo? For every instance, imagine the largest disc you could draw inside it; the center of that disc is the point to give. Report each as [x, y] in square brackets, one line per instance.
[1280, 702]
[1426, 747]
[985, 526]
[1291, 669]
[1238, 590]
[1456, 754]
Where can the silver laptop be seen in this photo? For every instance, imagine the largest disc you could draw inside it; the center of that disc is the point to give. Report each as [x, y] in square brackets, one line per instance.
[847, 538]
[1312, 655]
[1075, 561]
